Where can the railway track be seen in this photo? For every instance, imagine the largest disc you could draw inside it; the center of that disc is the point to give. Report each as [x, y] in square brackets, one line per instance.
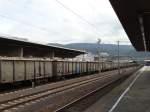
[62, 109]
[5, 97]
[19, 101]
[83, 97]
[22, 100]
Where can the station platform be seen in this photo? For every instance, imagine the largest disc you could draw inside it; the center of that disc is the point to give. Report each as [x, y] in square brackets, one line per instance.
[131, 95]
[136, 97]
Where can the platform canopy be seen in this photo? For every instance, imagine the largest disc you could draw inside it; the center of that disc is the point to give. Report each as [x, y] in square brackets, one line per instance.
[21, 48]
[134, 16]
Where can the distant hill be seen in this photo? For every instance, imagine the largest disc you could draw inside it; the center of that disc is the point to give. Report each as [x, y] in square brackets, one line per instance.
[111, 49]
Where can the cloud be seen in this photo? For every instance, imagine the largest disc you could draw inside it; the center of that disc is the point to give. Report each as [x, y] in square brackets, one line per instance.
[47, 21]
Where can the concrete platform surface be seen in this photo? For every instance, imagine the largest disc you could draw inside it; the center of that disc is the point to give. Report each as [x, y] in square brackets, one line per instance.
[136, 97]
[133, 95]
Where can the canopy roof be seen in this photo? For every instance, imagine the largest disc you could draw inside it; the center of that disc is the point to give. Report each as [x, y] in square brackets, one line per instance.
[61, 52]
[134, 16]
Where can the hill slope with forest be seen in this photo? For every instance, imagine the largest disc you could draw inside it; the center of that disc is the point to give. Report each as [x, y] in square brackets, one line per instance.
[111, 49]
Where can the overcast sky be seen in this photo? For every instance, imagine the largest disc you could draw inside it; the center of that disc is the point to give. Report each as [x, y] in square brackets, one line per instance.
[60, 21]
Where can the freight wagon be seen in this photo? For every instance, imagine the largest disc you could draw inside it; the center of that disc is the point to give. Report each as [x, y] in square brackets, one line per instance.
[21, 69]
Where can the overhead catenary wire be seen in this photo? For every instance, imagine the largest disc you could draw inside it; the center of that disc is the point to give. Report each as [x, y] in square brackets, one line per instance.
[80, 17]
[30, 24]
[47, 30]
[95, 31]
[24, 22]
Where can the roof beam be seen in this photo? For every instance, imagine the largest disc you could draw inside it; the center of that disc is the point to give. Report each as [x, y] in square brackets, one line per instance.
[142, 31]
